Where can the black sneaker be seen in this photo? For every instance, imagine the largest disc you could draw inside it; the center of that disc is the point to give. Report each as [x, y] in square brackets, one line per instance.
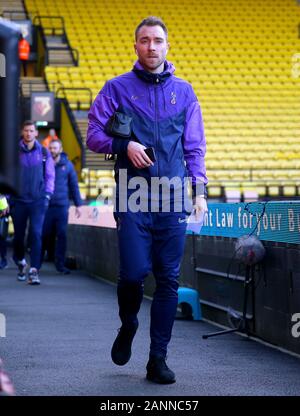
[121, 349]
[22, 265]
[159, 372]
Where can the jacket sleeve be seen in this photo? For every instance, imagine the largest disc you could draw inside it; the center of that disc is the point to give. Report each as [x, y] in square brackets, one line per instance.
[102, 109]
[73, 185]
[49, 174]
[194, 147]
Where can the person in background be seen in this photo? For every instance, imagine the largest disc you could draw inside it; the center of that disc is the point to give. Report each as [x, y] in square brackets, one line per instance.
[50, 239]
[37, 185]
[51, 136]
[4, 210]
[24, 52]
[56, 221]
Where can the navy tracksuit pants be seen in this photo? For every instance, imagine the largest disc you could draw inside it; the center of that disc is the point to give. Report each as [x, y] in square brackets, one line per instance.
[150, 241]
[21, 212]
[56, 223]
[3, 248]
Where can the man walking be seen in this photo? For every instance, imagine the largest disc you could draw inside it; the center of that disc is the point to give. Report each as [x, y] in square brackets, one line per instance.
[37, 185]
[56, 220]
[167, 142]
[4, 209]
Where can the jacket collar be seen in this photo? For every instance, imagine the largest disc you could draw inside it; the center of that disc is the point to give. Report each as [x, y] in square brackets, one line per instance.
[151, 78]
[63, 159]
[24, 147]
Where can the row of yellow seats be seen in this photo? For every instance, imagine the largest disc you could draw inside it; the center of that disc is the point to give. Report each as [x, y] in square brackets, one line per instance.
[258, 14]
[250, 96]
[255, 130]
[82, 71]
[252, 183]
[78, 75]
[262, 10]
[249, 113]
[203, 33]
[100, 70]
[214, 191]
[212, 100]
[195, 34]
[65, 77]
[244, 120]
[262, 190]
[71, 92]
[255, 164]
[197, 40]
[99, 173]
[279, 150]
[228, 5]
[213, 176]
[214, 20]
[258, 124]
[230, 158]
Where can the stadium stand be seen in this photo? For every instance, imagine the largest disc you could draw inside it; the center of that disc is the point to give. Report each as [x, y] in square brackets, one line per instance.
[241, 58]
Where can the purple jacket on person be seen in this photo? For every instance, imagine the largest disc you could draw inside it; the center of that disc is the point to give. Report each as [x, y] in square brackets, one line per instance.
[37, 177]
[166, 115]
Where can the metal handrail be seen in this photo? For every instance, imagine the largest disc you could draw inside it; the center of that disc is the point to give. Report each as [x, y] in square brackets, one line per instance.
[53, 84]
[76, 58]
[77, 132]
[38, 17]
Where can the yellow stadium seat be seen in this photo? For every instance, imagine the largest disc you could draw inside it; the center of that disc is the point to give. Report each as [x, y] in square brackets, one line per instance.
[245, 84]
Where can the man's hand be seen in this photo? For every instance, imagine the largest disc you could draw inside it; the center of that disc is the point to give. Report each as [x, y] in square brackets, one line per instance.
[200, 206]
[77, 212]
[136, 154]
[4, 212]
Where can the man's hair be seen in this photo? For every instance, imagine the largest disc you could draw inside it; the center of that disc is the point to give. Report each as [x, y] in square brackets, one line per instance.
[56, 141]
[151, 21]
[29, 123]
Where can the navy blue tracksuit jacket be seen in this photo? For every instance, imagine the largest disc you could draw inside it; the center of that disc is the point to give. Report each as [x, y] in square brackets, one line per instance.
[56, 221]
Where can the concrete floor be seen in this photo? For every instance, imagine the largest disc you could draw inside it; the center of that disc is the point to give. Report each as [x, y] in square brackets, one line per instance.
[59, 336]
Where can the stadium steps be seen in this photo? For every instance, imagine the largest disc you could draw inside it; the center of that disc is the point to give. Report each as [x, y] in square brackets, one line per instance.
[16, 6]
[55, 42]
[59, 52]
[60, 57]
[32, 84]
[93, 160]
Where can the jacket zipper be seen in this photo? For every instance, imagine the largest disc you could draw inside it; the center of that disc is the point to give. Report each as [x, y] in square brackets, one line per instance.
[156, 123]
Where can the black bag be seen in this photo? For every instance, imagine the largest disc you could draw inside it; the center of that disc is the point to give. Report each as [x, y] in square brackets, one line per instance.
[3, 227]
[119, 125]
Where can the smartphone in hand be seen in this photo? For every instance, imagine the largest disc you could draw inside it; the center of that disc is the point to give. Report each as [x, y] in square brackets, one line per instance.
[150, 152]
